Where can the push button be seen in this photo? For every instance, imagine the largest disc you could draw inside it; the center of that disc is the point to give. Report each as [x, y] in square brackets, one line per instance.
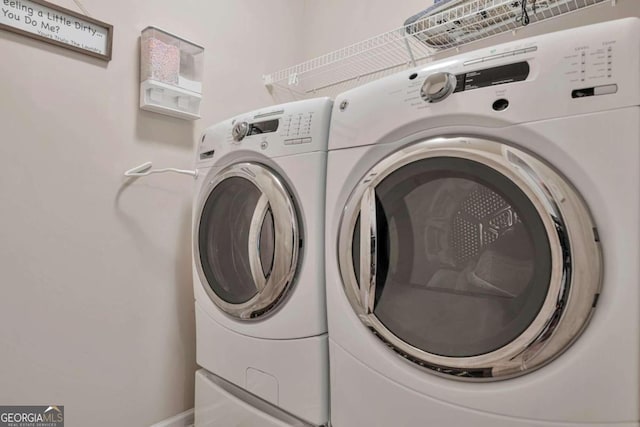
[605, 90]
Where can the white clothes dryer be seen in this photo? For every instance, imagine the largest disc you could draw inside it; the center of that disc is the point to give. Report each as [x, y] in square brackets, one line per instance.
[482, 238]
[258, 246]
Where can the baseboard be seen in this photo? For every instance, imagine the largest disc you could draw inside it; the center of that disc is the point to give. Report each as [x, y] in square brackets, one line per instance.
[185, 419]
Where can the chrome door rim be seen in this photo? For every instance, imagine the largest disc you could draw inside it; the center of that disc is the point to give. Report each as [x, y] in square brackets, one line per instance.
[286, 251]
[576, 272]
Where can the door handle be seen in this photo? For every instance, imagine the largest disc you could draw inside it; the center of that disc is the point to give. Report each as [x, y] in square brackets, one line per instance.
[368, 249]
[255, 263]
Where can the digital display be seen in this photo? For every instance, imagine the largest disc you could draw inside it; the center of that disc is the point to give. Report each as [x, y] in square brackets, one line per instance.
[263, 127]
[492, 76]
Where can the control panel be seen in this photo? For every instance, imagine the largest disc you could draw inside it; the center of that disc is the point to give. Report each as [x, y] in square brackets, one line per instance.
[242, 129]
[587, 65]
[286, 129]
[296, 128]
[587, 62]
[438, 86]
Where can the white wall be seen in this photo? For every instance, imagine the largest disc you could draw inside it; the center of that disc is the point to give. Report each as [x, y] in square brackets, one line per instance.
[333, 24]
[96, 304]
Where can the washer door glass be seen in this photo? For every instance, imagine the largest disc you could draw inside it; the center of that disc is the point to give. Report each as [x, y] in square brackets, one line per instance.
[247, 240]
[469, 257]
[224, 240]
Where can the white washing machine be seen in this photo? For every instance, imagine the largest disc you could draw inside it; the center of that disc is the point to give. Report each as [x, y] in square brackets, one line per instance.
[258, 250]
[482, 238]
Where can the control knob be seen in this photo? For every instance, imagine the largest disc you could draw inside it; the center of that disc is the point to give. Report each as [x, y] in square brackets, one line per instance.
[239, 131]
[438, 86]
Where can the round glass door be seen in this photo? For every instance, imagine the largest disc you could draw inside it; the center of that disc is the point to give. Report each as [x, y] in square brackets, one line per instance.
[457, 255]
[247, 240]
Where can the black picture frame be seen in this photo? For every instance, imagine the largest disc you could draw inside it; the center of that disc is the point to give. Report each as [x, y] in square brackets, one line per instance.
[108, 27]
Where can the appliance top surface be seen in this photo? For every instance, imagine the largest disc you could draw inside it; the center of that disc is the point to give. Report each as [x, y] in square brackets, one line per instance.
[582, 70]
[280, 130]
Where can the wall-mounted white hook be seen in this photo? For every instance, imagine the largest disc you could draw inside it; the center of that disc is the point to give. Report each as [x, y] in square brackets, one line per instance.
[145, 169]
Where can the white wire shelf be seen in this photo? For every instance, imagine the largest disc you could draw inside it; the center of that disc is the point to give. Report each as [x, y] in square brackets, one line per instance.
[414, 44]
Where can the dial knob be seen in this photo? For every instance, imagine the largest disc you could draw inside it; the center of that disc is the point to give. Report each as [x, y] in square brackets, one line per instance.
[240, 130]
[438, 86]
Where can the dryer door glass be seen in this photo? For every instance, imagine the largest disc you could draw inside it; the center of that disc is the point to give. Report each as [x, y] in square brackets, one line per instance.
[456, 252]
[248, 240]
[463, 259]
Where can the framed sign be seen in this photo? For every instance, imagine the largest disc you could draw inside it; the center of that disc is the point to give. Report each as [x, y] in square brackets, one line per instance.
[53, 24]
